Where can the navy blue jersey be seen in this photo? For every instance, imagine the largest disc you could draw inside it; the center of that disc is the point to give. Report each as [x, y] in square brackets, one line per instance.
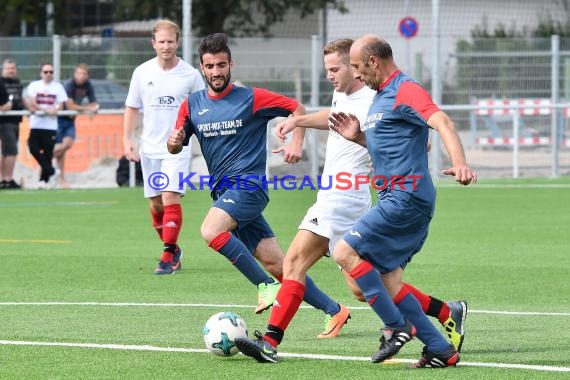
[397, 137]
[232, 130]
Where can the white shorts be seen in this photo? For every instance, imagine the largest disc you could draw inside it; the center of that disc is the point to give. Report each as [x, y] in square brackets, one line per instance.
[332, 216]
[163, 174]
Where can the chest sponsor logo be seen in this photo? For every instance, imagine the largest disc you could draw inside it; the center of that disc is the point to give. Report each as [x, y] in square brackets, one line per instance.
[220, 128]
[372, 119]
[165, 100]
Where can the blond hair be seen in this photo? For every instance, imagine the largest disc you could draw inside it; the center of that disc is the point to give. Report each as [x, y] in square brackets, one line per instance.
[341, 47]
[167, 25]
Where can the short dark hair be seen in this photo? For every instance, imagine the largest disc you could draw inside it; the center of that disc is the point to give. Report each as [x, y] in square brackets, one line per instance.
[214, 44]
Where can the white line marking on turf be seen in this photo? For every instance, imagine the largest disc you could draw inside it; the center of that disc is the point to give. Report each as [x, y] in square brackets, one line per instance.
[213, 305]
[130, 347]
[510, 185]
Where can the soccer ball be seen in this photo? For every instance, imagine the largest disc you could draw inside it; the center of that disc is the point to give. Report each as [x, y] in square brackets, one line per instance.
[220, 331]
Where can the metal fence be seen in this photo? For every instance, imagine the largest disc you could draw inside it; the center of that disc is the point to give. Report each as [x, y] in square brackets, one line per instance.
[529, 75]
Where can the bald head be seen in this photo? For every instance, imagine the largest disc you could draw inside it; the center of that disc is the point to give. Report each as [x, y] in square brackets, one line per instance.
[373, 45]
[371, 58]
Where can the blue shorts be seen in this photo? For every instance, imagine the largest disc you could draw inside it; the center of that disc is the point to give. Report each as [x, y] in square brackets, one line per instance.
[65, 128]
[390, 233]
[246, 207]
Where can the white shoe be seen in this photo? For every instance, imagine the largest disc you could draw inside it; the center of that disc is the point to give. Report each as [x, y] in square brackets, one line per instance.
[42, 185]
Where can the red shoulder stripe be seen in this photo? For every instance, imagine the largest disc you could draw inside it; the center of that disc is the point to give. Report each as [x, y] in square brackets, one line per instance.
[414, 96]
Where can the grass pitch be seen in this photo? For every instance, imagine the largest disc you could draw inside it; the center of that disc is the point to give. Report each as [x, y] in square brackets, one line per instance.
[78, 299]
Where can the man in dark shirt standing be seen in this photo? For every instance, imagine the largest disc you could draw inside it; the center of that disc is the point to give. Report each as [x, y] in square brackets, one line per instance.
[11, 99]
[78, 88]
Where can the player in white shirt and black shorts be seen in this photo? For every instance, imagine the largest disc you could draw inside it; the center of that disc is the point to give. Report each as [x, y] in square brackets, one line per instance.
[158, 87]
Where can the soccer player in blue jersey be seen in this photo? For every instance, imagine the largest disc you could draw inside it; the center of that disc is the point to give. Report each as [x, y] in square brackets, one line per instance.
[230, 123]
[380, 244]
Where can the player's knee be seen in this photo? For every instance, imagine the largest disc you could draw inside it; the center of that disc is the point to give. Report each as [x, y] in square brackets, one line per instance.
[209, 233]
[157, 207]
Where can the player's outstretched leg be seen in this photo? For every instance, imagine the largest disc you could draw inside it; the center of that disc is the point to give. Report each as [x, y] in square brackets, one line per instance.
[450, 314]
[257, 348]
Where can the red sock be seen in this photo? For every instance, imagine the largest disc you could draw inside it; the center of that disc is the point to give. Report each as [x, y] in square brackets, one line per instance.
[444, 313]
[167, 257]
[429, 305]
[286, 304]
[171, 223]
[422, 298]
[157, 221]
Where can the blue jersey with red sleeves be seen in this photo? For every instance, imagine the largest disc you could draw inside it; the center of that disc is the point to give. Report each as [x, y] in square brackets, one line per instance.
[397, 137]
[232, 130]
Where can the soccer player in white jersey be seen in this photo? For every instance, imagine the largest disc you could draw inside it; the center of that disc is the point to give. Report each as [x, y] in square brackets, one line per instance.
[158, 87]
[334, 213]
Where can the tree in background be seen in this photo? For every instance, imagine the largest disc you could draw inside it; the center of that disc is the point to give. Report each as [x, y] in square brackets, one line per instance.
[234, 17]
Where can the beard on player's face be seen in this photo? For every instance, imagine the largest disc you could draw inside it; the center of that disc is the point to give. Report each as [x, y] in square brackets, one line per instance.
[219, 83]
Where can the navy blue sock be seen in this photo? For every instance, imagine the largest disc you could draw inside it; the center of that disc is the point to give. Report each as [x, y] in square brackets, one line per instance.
[370, 282]
[425, 330]
[238, 254]
[318, 299]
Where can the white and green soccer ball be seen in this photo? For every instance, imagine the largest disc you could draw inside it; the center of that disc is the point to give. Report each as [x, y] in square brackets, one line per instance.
[220, 332]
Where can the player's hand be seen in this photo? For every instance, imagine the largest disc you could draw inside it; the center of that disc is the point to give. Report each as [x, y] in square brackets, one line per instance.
[175, 140]
[285, 127]
[130, 151]
[348, 126]
[462, 174]
[291, 153]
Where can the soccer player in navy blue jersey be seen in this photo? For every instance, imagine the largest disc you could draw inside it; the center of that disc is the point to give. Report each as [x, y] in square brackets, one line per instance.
[384, 240]
[230, 123]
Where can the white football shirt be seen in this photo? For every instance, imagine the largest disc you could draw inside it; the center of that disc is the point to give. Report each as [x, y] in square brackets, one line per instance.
[344, 157]
[47, 95]
[159, 94]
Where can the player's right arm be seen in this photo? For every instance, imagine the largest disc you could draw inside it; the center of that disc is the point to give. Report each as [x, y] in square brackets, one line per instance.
[317, 120]
[130, 119]
[175, 141]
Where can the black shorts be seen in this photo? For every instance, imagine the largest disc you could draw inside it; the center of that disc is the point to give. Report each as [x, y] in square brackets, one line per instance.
[9, 134]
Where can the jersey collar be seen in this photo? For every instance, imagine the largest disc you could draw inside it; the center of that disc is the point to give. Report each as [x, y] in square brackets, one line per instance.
[387, 81]
[223, 93]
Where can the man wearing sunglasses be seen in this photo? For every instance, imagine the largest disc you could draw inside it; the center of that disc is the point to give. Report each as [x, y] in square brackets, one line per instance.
[47, 96]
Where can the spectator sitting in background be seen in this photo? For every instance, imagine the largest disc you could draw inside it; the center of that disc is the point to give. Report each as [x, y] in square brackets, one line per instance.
[77, 88]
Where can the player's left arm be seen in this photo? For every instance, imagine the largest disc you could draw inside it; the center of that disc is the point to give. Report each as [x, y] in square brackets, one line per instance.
[417, 99]
[443, 124]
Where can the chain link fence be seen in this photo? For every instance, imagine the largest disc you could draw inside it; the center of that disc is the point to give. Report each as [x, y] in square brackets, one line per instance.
[477, 75]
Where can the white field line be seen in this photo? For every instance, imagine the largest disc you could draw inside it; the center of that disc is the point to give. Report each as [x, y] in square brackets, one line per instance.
[130, 347]
[236, 306]
[508, 185]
